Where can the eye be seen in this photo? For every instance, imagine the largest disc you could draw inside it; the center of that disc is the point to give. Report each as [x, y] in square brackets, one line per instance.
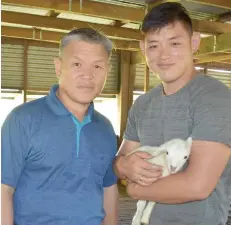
[166, 153]
[175, 43]
[185, 157]
[152, 46]
[77, 64]
[98, 67]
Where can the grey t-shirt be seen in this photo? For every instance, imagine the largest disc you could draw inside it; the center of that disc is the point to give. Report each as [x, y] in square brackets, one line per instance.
[202, 110]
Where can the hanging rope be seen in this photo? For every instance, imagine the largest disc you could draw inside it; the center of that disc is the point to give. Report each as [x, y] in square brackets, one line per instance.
[70, 5]
[80, 5]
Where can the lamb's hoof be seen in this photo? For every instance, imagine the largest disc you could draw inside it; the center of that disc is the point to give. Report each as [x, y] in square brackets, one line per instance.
[136, 222]
[144, 222]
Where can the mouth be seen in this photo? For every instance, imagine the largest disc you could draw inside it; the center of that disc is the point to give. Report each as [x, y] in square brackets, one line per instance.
[165, 66]
[85, 87]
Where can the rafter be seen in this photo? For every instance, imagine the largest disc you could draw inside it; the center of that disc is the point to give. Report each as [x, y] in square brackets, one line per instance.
[64, 24]
[221, 3]
[115, 12]
[50, 36]
[213, 58]
[98, 9]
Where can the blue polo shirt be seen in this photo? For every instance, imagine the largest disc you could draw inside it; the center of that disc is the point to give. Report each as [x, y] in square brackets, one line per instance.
[57, 165]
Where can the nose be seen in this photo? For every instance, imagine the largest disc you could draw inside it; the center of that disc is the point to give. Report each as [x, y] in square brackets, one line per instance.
[164, 52]
[172, 168]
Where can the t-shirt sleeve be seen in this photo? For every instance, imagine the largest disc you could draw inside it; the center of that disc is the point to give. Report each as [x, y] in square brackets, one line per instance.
[131, 133]
[212, 117]
[110, 177]
[13, 144]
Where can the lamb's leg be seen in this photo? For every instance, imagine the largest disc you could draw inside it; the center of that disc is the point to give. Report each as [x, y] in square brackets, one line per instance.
[147, 213]
[139, 212]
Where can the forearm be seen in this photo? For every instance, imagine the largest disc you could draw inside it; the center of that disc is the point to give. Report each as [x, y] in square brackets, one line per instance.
[7, 210]
[111, 205]
[177, 188]
[118, 167]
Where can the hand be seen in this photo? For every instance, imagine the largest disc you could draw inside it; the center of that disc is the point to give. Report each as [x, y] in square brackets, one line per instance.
[137, 169]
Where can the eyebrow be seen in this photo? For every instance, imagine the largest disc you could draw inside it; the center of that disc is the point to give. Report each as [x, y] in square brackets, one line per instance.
[170, 39]
[96, 61]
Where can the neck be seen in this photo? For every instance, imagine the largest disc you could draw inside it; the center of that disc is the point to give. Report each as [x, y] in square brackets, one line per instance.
[175, 86]
[78, 109]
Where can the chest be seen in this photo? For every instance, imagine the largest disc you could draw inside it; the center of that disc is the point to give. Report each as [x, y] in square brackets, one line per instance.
[164, 121]
[60, 151]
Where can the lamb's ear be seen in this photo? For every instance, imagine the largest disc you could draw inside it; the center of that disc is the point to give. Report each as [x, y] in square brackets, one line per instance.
[189, 142]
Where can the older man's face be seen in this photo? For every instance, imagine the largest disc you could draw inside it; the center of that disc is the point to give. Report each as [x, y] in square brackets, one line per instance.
[82, 70]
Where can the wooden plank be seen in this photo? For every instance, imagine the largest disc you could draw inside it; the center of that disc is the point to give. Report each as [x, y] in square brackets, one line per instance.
[205, 26]
[25, 71]
[146, 79]
[221, 3]
[91, 8]
[126, 90]
[64, 24]
[55, 37]
[213, 44]
[116, 12]
[212, 58]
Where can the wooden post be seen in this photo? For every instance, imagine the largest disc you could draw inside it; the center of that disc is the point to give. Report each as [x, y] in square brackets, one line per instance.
[25, 65]
[126, 90]
[146, 79]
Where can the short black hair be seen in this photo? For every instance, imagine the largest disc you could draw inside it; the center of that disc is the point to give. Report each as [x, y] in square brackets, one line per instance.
[164, 14]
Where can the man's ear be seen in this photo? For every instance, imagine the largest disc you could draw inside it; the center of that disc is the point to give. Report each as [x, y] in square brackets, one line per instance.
[57, 63]
[195, 41]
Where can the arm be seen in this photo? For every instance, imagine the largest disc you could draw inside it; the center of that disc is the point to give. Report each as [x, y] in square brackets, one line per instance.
[207, 162]
[111, 205]
[135, 166]
[7, 205]
[13, 143]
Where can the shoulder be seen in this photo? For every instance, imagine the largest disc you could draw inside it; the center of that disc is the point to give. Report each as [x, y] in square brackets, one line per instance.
[207, 88]
[29, 109]
[104, 121]
[143, 101]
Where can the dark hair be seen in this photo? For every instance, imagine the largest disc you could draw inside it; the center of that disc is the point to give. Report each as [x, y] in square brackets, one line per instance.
[164, 14]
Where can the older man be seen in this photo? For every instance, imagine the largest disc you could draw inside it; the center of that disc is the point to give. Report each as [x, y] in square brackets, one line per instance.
[57, 151]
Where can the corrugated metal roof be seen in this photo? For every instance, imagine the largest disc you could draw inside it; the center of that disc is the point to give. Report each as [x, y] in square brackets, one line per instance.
[12, 66]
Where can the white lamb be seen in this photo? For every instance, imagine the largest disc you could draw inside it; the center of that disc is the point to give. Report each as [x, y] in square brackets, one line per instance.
[172, 155]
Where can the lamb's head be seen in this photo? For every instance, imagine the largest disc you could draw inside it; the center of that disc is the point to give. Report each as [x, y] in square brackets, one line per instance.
[177, 153]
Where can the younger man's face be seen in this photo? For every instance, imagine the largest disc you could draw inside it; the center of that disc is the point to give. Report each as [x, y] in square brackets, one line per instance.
[169, 51]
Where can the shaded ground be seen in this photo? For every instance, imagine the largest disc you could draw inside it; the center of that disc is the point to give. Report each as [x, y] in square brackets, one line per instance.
[127, 208]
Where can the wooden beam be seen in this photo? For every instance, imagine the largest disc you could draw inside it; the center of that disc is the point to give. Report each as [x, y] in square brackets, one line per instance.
[225, 17]
[52, 13]
[211, 27]
[146, 79]
[215, 44]
[91, 8]
[50, 36]
[126, 90]
[137, 58]
[25, 70]
[99, 9]
[212, 58]
[218, 3]
[215, 65]
[64, 24]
